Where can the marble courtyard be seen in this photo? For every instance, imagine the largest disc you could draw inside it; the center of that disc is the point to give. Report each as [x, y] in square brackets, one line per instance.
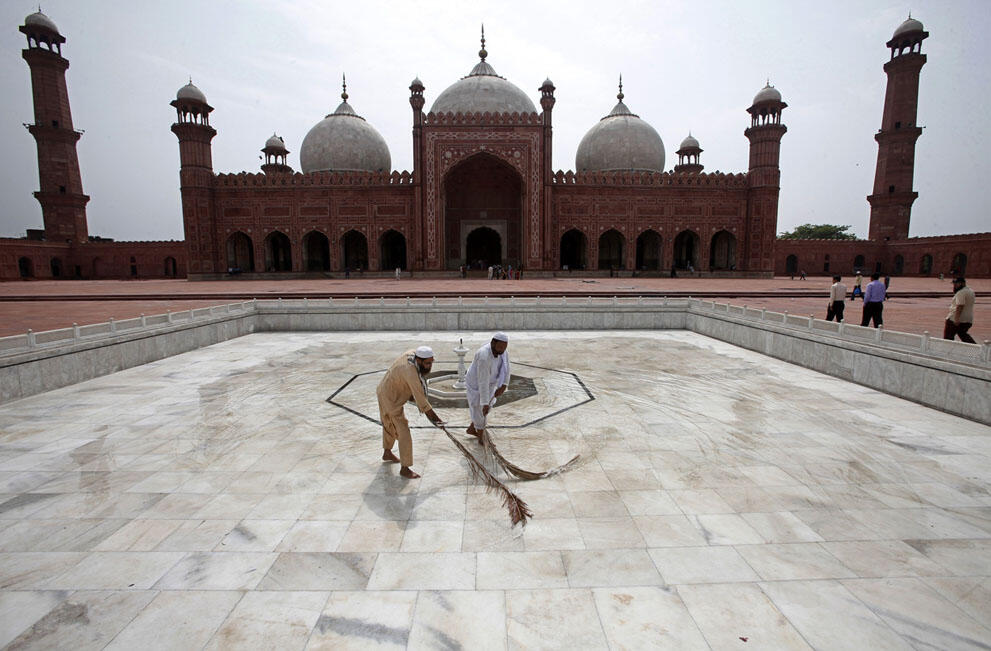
[233, 496]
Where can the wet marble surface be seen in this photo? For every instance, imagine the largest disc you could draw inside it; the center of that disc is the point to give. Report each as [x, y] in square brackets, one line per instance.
[217, 500]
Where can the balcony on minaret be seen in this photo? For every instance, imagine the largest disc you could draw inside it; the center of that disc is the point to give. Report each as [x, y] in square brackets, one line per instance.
[41, 30]
[908, 38]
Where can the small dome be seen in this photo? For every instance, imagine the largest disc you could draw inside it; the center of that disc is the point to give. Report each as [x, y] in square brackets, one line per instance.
[909, 26]
[416, 83]
[191, 92]
[343, 142]
[482, 91]
[767, 94]
[689, 143]
[275, 142]
[40, 20]
[620, 141]
[547, 83]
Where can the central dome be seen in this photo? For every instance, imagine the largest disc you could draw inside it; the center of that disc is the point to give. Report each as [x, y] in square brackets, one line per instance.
[620, 141]
[344, 142]
[483, 91]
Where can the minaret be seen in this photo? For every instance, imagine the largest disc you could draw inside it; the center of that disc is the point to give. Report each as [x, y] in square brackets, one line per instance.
[892, 199]
[764, 179]
[547, 102]
[688, 155]
[275, 156]
[192, 128]
[417, 245]
[63, 204]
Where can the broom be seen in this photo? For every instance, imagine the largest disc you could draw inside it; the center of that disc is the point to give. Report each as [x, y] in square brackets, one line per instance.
[516, 471]
[519, 512]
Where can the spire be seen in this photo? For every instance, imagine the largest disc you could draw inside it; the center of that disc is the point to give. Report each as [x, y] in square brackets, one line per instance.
[344, 87]
[620, 95]
[620, 108]
[482, 53]
[482, 68]
[344, 108]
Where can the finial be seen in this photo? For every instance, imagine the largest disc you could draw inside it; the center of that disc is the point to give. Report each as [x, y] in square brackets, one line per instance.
[190, 80]
[482, 53]
[620, 95]
[344, 87]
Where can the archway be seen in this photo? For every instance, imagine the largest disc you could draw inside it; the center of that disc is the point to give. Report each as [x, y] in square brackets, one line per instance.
[722, 251]
[926, 264]
[392, 250]
[355, 248]
[170, 267]
[649, 251]
[316, 251]
[899, 264]
[278, 252]
[686, 249]
[959, 266]
[240, 253]
[56, 265]
[858, 263]
[484, 245]
[574, 250]
[25, 267]
[483, 191]
[611, 250]
[134, 267]
[791, 264]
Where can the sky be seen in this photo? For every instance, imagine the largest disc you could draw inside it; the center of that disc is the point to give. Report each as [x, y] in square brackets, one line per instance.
[268, 66]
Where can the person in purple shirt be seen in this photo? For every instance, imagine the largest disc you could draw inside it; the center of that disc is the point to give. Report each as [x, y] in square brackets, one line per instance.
[873, 301]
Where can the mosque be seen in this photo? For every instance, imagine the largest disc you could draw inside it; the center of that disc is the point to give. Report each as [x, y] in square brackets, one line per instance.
[481, 192]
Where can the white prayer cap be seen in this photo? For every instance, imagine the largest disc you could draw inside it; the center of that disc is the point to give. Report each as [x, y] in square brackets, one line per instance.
[424, 352]
[501, 336]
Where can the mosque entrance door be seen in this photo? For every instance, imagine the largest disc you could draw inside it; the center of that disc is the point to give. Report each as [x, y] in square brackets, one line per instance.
[483, 194]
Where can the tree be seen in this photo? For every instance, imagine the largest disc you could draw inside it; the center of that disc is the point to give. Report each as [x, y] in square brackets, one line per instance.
[818, 232]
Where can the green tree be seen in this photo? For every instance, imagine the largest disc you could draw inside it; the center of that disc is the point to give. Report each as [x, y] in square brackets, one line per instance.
[818, 232]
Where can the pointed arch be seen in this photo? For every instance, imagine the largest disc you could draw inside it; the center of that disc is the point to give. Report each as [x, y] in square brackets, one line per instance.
[354, 249]
[686, 249]
[392, 250]
[574, 250]
[611, 245]
[649, 251]
[278, 252]
[316, 251]
[722, 250]
[240, 253]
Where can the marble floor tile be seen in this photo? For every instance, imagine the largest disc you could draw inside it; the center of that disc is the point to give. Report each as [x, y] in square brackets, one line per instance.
[313, 536]
[196, 535]
[432, 536]
[280, 507]
[116, 571]
[270, 620]
[439, 506]
[721, 564]
[520, 570]
[728, 614]
[33, 570]
[704, 500]
[217, 571]
[189, 617]
[828, 616]
[84, 620]
[598, 504]
[255, 536]
[919, 613]
[610, 567]
[562, 619]
[882, 558]
[646, 617]
[780, 527]
[332, 507]
[610, 533]
[649, 502]
[779, 562]
[492, 536]
[423, 571]
[354, 621]
[458, 619]
[139, 536]
[959, 557]
[373, 536]
[19, 610]
[553, 534]
[318, 571]
[726, 529]
[229, 506]
[669, 531]
[970, 594]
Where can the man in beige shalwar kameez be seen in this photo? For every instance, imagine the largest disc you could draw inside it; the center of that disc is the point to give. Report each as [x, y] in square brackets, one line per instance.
[405, 379]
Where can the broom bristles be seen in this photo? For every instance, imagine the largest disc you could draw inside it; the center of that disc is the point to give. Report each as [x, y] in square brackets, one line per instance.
[516, 471]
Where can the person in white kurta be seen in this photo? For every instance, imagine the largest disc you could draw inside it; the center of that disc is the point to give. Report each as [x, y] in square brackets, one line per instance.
[486, 380]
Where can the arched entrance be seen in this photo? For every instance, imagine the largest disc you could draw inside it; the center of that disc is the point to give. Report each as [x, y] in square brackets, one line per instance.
[722, 251]
[858, 263]
[574, 250]
[56, 265]
[686, 250]
[649, 251]
[355, 250]
[791, 264]
[170, 267]
[392, 250]
[484, 246]
[611, 250]
[316, 251]
[25, 267]
[134, 267]
[926, 264]
[278, 252]
[483, 191]
[240, 253]
[959, 266]
[899, 264]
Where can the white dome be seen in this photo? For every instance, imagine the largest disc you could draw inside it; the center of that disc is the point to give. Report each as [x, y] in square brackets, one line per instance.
[910, 25]
[342, 142]
[483, 91]
[191, 92]
[689, 143]
[767, 94]
[40, 20]
[620, 141]
[275, 142]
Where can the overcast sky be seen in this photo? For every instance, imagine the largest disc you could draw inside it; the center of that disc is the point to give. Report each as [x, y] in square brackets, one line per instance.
[276, 66]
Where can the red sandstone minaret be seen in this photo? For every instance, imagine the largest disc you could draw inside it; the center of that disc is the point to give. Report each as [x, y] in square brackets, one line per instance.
[891, 202]
[192, 128]
[764, 178]
[63, 204]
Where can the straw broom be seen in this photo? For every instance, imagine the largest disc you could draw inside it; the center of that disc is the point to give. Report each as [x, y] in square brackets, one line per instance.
[516, 471]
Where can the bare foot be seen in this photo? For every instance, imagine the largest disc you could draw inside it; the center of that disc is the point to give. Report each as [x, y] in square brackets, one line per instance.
[390, 457]
[471, 430]
[408, 474]
[478, 435]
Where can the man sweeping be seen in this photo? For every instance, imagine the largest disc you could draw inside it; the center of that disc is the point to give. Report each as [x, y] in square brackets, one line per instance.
[405, 379]
[486, 380]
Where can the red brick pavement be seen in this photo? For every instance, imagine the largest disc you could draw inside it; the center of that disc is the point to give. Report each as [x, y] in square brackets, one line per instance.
[915, 304]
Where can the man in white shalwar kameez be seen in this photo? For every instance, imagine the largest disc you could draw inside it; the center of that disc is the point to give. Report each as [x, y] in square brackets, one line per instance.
[486, 380]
